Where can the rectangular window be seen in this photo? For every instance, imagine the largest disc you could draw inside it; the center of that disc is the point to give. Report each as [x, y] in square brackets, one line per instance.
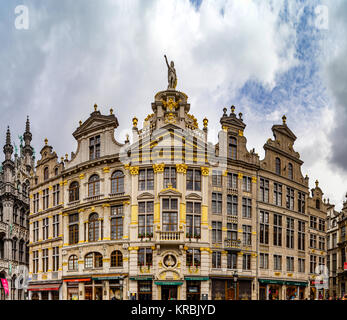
[216, 202]
[231, 260]
[290, 233]
[277, 262]
[232, 180]
[193, 258]
[290, 264]
[231, 231]
[145, 257]
[55, 255]
[301, 265]
[56, 192]
[334, 263]
[264, 190]
[145, 216]
[117, 222]
[277, 194]
[247, 184]
[246, 261]
[170, 214]
[321, 225]
[301, 235]
[313, 222]
[169, 177]
[301, 202]
[193, 179]
[35, 261]
[45, 229]
[45, 199]
[313, 241]
[246, 208]
[193, 216]
[321, 243]
[216, 259]
[94, 148]
[247, 235]
[55, 225]
[44, 260]
[264, 260]
[290, 198]
[36, 202]
[216, 231]
[277, 236]
[73, 228]
[146, 179]
[216, 178]
[36, 231]
[232, 151]
[313, 263]
[264, 227]
[232, 205]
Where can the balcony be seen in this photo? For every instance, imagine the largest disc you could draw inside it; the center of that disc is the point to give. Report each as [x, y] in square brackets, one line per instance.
[232, 244]
[169, 236]
[94, 198]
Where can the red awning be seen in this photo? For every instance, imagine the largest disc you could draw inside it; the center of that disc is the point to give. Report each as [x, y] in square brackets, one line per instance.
[44, 287]
[77, 280]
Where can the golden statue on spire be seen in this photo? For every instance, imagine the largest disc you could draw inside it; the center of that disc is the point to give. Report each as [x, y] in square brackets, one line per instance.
[172, 77]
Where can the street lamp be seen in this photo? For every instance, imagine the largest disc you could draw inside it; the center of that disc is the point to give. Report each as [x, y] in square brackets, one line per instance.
[235, 275]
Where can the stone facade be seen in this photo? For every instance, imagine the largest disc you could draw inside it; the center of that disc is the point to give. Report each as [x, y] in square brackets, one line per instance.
[14, 215]
[170, 215]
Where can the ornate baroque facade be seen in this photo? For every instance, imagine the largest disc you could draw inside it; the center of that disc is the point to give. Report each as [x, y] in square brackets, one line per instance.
[14, 215]
[170, 215]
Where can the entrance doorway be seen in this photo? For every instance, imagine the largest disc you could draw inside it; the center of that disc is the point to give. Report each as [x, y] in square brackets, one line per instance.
[169, 293]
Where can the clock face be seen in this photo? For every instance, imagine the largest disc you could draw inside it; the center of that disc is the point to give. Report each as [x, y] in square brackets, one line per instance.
[170, 261]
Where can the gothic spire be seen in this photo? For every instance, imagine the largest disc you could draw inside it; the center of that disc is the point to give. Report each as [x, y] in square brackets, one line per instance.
[8, 148]
[27, 134]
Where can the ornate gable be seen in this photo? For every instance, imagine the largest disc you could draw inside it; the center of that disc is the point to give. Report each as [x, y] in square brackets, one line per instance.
[96, 122]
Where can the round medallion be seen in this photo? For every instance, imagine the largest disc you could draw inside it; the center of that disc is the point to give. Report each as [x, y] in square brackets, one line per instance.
[170, 261]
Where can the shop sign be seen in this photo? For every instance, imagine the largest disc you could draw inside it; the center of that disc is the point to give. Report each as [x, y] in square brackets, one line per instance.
[77, 280]
[168, 283]
[345, 266]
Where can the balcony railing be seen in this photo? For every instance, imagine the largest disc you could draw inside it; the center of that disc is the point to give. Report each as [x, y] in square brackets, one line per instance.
[232, 244]
[93, 198]
[169, 235]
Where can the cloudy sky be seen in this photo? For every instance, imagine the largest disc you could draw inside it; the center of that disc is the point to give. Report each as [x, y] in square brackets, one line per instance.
[268, 58]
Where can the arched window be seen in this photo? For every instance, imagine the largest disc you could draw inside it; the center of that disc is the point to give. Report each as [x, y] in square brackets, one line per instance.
[290, 171]
[317, 204]
[232, 148]
[93, 227]
[45, 173]
[117, 182]
[278, 166]
[73, 263]
[74, 191]
[94, 185]
[56, 171]
[116, 259]
[93, 260]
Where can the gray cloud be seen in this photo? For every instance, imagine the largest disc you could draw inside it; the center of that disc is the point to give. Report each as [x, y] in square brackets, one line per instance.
[336, 71]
